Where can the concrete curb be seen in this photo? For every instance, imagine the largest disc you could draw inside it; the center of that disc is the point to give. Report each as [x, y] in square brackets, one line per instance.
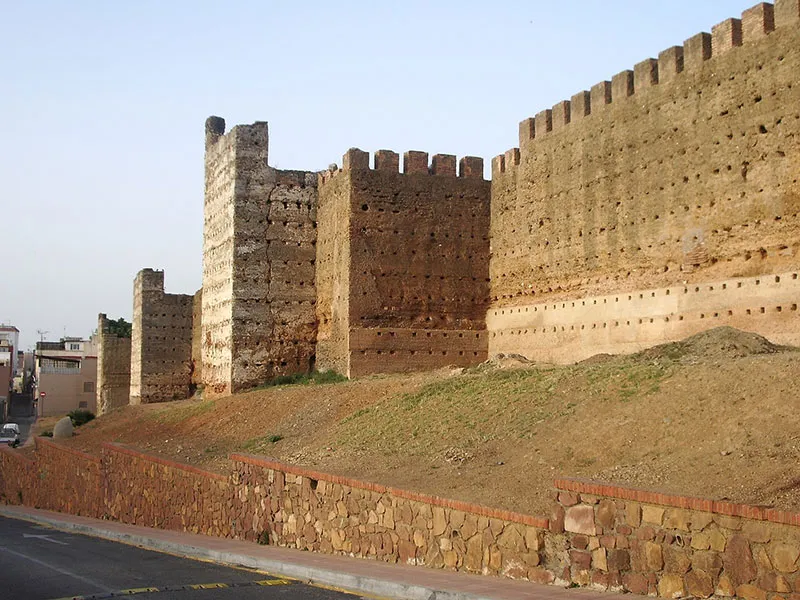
[309, 575]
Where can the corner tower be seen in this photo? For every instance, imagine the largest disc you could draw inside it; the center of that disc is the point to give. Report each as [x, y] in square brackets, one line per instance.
[259, 237]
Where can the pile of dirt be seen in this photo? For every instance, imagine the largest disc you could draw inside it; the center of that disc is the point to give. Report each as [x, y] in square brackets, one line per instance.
[502, 361]
[712, 416]
[720, 343]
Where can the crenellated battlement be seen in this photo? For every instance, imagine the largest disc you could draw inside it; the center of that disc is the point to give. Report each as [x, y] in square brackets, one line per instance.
[415, 162]
[754, 24]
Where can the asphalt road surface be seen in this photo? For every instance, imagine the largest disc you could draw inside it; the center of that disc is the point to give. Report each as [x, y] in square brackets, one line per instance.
[40, 563]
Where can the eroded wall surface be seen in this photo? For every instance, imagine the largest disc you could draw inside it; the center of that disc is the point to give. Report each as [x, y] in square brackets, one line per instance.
[113, 368]
[411, 267]
[161, 341]
[682, 170]
[259, 262]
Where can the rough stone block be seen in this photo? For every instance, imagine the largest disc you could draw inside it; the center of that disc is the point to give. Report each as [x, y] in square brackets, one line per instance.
[670, 586]
[785, 557]
[652, 514]
[580, 519]
[633, 514]
[606, 514]
[738, 561]
[750, 592]
[699, 584]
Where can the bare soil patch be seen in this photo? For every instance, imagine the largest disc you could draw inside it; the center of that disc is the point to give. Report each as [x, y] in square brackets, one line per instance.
[714, 416]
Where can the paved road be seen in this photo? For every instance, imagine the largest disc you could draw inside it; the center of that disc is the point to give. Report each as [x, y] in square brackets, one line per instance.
[39, 563]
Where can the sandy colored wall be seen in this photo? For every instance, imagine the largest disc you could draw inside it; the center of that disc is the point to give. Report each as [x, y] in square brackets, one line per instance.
[259, 262]
[569, 330]
[333, 274]
[417, 260]
[113, 369]
[681, 170]
[161, 341]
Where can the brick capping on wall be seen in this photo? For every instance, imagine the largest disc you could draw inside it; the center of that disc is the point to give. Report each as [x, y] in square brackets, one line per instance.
[114, 447]
[732, 509]
[477, 509]
[41, 441]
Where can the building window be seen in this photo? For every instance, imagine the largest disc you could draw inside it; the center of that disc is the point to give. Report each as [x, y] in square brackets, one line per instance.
[88, 386]
[74, 346]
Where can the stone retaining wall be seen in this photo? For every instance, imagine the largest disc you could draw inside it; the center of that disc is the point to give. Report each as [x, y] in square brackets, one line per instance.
[644, 542]
[147, 490]
[296, 507]
[600, 536]
[67, 480]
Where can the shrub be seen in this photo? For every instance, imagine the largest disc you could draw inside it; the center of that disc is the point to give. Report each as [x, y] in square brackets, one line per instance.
[47, 433]
[80, 417]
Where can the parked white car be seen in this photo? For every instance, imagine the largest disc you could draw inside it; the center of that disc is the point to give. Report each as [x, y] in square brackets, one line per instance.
[9, 434]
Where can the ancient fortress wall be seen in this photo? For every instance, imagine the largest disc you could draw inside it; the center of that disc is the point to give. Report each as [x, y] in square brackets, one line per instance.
[683, 170]
[161, 341]
[403, 271]
[258, 262]
[113, 368]
[197, 339]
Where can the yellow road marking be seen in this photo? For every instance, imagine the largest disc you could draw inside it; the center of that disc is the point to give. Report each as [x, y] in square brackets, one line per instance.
[273, 582]
[144, 590]
[207, 586]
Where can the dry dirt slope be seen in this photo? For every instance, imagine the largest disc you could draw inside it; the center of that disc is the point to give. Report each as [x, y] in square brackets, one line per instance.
[717, 416]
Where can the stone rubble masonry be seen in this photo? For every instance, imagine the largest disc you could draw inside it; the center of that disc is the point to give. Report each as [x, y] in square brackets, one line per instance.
[259, 256]
[161, 341]
[645, 542]
[681, 172]
[403, 263]
[113, 368]
[600, 536]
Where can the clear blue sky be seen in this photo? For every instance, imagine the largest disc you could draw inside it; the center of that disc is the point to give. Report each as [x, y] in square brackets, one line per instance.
[103, 107]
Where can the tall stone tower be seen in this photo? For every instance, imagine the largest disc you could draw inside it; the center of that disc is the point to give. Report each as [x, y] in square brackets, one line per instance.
[259, 238]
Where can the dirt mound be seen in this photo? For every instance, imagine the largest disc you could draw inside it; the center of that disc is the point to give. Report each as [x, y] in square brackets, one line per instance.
[502, 361]
[721, 343]
[680, 418]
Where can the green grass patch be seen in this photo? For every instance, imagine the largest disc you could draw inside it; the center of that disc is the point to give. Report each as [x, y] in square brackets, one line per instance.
[315, 378]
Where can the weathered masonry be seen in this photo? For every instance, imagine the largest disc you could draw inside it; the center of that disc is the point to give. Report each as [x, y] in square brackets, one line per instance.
[648, 208]
[113, 367]
[403, 263]
[161, 341]
[259, 238]
[657, 204]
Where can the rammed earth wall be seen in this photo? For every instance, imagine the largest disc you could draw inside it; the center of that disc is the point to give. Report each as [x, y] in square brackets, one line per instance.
[681, 171]
[600, 536]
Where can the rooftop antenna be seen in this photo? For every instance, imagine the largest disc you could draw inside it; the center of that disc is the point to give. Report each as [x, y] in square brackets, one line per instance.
[41, 334]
